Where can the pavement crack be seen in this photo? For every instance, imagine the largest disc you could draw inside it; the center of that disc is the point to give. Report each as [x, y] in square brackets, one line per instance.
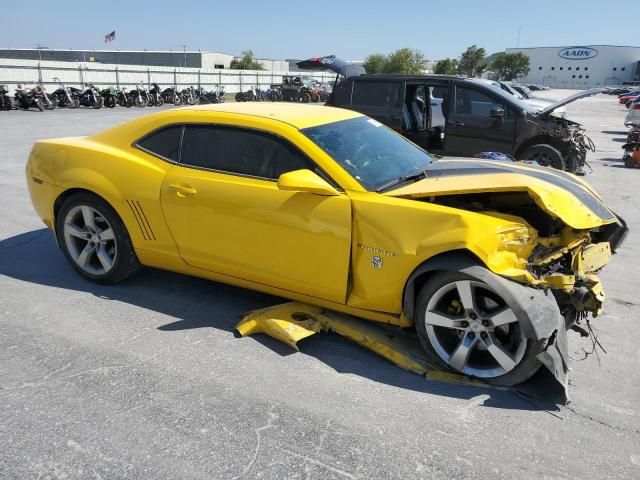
[587, 416]
[272, 417]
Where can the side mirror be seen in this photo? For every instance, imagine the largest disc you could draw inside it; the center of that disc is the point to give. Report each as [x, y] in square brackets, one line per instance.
[497, 113]
[305, 181]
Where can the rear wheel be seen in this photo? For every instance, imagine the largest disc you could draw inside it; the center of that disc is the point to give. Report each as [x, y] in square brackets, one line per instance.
[545, 155]
[469, 328]
[95, 240]
[305, 97]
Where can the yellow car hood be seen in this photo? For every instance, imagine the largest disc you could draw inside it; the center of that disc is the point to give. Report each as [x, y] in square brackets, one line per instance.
[560, 194]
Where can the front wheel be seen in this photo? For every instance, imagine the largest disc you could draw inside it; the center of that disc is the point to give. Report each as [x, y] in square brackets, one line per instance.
[38, 104]
[545, 155]
[469, 328]
[94, 239]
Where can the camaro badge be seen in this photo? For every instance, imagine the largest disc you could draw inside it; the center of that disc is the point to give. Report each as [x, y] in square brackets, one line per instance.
[376, 261]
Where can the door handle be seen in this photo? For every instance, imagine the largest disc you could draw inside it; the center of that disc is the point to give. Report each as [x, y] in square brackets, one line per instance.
[182, 190]
[456, 124]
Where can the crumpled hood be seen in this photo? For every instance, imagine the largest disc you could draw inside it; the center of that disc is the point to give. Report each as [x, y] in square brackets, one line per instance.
[560, 194]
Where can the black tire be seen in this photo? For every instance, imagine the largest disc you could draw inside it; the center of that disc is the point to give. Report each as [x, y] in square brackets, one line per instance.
[527, 364]
[125, 263]
[99, 103]
[139, 102]
[38, 104]
[628, 161]
[305, 97]
[545, 155]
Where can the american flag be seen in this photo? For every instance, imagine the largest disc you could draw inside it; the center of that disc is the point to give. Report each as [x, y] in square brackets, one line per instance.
[110, 38]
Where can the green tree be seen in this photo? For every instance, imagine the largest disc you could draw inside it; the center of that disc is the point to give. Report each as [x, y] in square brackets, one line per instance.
[405, 60]
[472, 61]
[375, 63]
[446, 66]
[246, 62]
[510, 65]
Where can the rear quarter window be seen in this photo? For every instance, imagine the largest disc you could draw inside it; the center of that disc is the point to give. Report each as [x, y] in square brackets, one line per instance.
[163, 143]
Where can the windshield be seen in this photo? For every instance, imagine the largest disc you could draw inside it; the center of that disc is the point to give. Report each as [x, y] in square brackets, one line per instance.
[372, 153]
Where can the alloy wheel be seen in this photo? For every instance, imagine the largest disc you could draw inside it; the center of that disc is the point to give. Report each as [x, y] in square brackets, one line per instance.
[90, 240]
[473, 330]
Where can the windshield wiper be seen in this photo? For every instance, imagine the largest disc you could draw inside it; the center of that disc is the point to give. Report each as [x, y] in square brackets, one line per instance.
[403, 179]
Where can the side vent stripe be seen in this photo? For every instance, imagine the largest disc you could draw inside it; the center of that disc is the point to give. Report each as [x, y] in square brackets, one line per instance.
[145, 221]
[136, 215]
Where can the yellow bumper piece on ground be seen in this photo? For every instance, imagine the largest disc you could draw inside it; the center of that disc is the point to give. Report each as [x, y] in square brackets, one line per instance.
[292, 322]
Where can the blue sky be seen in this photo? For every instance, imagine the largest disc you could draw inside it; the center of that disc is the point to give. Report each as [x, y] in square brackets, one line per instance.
[348, 29]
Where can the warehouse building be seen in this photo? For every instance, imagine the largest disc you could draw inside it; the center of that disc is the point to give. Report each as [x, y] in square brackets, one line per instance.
[166, 58]
[582, 66]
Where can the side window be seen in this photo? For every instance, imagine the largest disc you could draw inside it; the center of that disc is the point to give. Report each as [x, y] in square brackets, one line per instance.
[473, 102]
[376, 94]
[235, 150]
[165, 142]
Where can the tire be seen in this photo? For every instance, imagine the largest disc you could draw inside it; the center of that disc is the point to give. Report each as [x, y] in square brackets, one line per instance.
[159, 101]
[50, 105]
[628, 161]
[106, 260]
[545, 155]
[315, 98]
[139, 102]
[38, 104]
[305, 97]
[448, 327]
[177, 101]
[99, 103]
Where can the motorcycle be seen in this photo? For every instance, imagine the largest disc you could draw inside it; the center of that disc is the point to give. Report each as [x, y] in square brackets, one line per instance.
[154, 97]
[91, 98]
[110, 96]
[188, 96]
[26, 99]
[123, 98]
[219, 94]
[48, 102]
[65, 97]
[631, 148]
[171, 96]
[138, 96]
[5, 100]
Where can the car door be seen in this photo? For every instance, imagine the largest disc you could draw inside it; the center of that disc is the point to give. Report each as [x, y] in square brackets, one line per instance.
[227, 215]
[381, 100]
[471, 129]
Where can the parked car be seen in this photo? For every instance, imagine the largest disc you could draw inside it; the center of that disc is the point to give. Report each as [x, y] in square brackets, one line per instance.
[537, 103]
[490, 261]
[473, 117]
[633, 115]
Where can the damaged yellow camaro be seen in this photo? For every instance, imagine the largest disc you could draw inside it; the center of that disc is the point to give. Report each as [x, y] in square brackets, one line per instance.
[490, 261]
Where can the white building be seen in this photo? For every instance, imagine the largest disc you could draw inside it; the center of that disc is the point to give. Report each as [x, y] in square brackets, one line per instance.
[581, 66]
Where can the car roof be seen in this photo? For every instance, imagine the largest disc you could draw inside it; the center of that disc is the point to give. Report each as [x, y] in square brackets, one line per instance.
[395, 76]
[295, 114]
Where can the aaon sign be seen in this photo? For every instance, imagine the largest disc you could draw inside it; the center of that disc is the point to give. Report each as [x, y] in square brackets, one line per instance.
[578, 53]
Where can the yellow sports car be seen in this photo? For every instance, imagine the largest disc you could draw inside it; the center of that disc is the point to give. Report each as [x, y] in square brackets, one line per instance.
[490, 261]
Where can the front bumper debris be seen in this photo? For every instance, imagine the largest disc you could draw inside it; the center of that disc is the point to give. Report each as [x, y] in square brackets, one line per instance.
[292, 322]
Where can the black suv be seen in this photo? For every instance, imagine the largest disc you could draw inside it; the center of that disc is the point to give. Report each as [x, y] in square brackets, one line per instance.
[460, 116]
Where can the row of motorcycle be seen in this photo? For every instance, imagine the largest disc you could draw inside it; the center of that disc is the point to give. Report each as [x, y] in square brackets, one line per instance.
[278, 94]
[90, 96]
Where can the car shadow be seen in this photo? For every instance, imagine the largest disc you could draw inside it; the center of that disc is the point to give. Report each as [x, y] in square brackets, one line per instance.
[614, 132]
[196, 303]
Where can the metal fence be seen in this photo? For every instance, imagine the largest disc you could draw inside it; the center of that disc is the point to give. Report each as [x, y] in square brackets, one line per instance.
[45, 73]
